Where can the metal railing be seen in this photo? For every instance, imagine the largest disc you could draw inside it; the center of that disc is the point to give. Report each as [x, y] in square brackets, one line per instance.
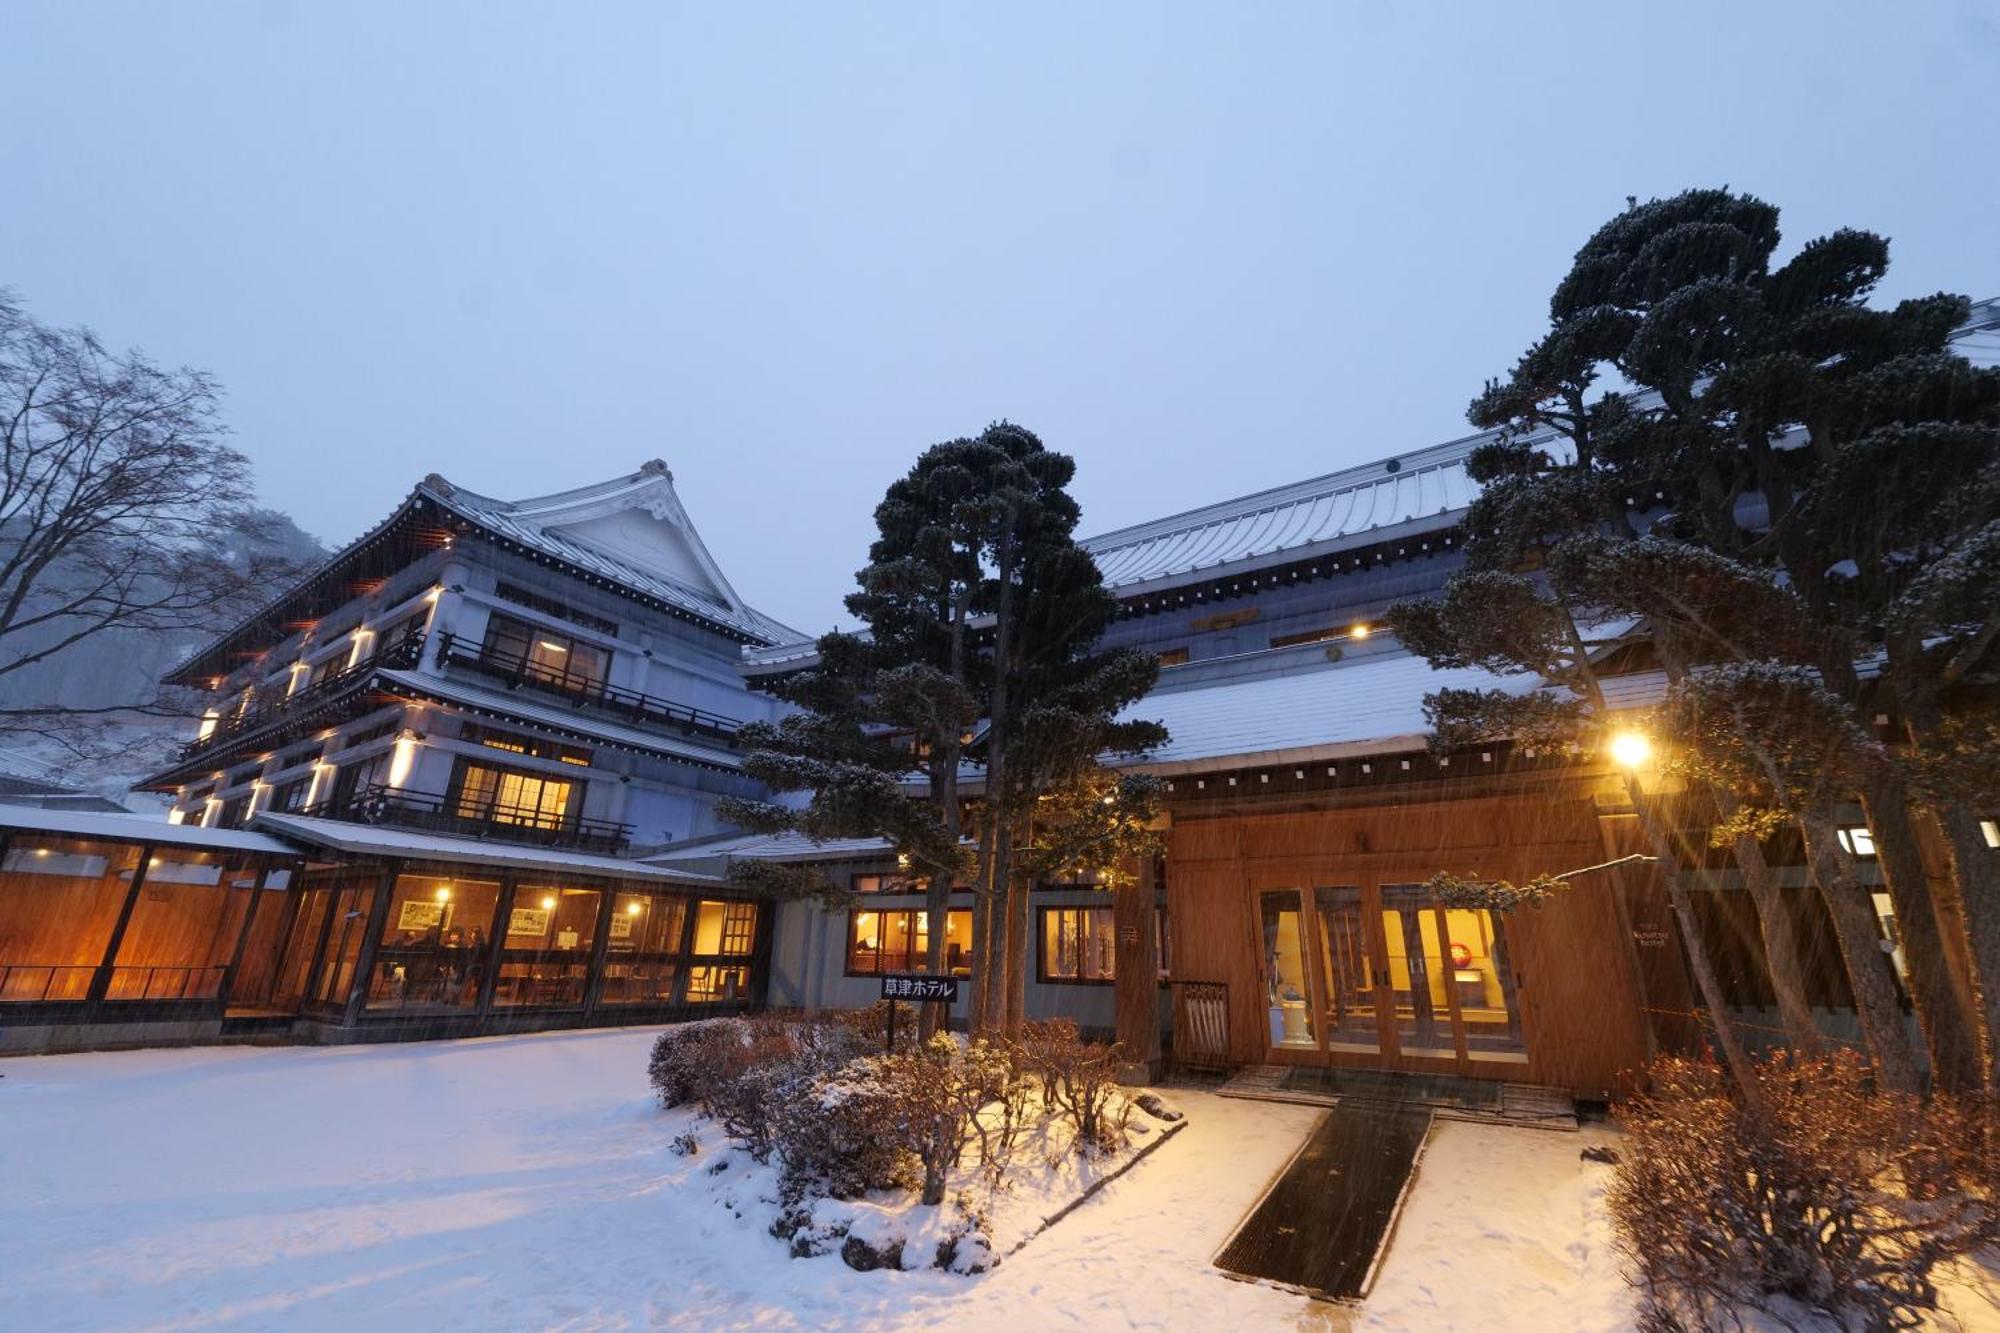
[470, 816]
[581, 688]
[405, 650]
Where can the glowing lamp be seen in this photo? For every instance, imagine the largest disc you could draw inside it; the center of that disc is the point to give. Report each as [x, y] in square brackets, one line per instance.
[443, 894]
[549, 903]
[1630, 749]
[633, 909]
[1360, 631]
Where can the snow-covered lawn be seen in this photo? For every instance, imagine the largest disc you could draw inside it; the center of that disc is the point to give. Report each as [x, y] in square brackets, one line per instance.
[527, 1182]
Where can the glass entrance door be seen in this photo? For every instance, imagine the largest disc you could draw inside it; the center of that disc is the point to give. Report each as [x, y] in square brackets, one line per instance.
[1382, 969]
[1450, 978]
[1352, 970]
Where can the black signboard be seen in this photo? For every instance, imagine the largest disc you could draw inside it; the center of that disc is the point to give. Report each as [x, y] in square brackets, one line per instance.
[919, 986]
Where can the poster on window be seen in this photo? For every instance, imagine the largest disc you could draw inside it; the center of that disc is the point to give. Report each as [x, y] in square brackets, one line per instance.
[420, 916]
[621, 927]
[528, 921]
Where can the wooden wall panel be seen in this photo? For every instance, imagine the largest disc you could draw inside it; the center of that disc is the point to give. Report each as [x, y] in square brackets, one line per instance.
[1581, 1000]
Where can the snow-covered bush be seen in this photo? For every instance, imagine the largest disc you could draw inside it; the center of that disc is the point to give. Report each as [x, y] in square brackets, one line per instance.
[1077, 1079]
[742, 1071]
[689, 1057]
[1815, 1192]
[833, 1135]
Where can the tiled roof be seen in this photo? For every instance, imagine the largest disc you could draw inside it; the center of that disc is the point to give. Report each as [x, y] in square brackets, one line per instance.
[1418, 492]
[787, 846]
[137, 828]
[520, 521]
[1371, 705]
[375, 840]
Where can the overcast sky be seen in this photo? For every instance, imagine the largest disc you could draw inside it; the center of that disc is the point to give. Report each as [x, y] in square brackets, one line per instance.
[1204, 250]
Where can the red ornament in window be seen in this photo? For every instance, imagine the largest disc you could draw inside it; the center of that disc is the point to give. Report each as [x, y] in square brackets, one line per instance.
[1460, 955]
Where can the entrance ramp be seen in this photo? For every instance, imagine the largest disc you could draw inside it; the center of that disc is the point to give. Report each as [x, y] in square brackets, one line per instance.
[1321, 1227]
[1451, 1097]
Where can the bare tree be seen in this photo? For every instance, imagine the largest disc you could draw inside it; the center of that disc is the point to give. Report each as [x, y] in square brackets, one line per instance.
[121, 510]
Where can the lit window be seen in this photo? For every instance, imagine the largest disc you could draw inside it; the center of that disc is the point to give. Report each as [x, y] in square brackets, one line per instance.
[1858, 840]
[1080, 944]
[899, 941]
[1991, 828]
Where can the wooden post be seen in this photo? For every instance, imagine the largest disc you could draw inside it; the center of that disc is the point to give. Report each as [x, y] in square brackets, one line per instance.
[364, 956]
[593, 977]
[1136, 972]
[100, 980]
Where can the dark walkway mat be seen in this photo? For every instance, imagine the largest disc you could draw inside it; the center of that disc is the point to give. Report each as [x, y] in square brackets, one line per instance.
[1322, 1223]
[1378, 1085]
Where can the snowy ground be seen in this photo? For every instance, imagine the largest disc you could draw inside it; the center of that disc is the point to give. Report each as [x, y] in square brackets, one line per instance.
[525, 1182]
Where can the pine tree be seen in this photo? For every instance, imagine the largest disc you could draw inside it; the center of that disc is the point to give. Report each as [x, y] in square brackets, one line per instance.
[979, 660]
[1803, 448]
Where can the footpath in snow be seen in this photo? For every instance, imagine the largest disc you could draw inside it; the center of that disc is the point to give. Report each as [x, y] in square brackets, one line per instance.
[527, 1182]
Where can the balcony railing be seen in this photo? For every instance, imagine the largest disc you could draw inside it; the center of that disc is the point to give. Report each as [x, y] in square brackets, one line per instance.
[581, 689]
[468, 816]
[402, 651]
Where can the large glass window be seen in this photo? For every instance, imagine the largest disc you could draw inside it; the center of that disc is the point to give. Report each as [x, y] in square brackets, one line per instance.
[547, 943]
[343, 944]
[722, 931]
[899, 941]
[506, 796]
[257, 975]
[1288, 992]
[1081, 944]
[184, 927]
[641, 954]
[59, 901]
[436, 944]
[550, 657]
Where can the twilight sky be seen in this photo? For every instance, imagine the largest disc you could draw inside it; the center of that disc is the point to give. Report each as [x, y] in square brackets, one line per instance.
[1205, 250]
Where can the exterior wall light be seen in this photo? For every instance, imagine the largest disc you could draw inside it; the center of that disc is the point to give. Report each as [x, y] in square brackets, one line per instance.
[1631, 749]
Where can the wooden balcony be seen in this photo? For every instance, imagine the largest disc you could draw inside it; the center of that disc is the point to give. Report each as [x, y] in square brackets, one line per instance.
[469, 817]
[403, 651]
[582, 691]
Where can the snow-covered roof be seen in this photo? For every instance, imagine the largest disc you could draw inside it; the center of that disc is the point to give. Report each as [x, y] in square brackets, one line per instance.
[1377, 501]
[538, 523]
[136, 828]
[1369, 705]
[788, 846]
[1979, 340]
[568, 528]
[376, 840]
[568, 719]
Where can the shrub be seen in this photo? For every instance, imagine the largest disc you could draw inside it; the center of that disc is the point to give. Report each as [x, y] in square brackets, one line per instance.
[834, 1134]
[689, 1057]
[1077, 1079]
[1815, 1190]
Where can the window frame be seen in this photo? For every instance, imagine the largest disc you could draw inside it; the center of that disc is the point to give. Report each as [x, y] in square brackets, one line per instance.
[1162, 946]
[881, 913]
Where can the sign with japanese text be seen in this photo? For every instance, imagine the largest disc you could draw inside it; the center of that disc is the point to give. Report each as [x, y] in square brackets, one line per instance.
[919, 986]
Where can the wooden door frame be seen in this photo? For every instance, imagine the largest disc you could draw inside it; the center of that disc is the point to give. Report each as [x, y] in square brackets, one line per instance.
[1303, 876]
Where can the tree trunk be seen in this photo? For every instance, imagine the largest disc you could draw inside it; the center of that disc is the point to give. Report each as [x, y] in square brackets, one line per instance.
[980, 1011]
[1951, 1033]
[1869, 973]
[1976, 869]
[1018, 948]
[993, 983]
[1734, 1057]
[1781, 939]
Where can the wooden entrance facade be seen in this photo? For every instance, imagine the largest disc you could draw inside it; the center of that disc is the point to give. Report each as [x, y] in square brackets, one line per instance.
[1335, 954]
